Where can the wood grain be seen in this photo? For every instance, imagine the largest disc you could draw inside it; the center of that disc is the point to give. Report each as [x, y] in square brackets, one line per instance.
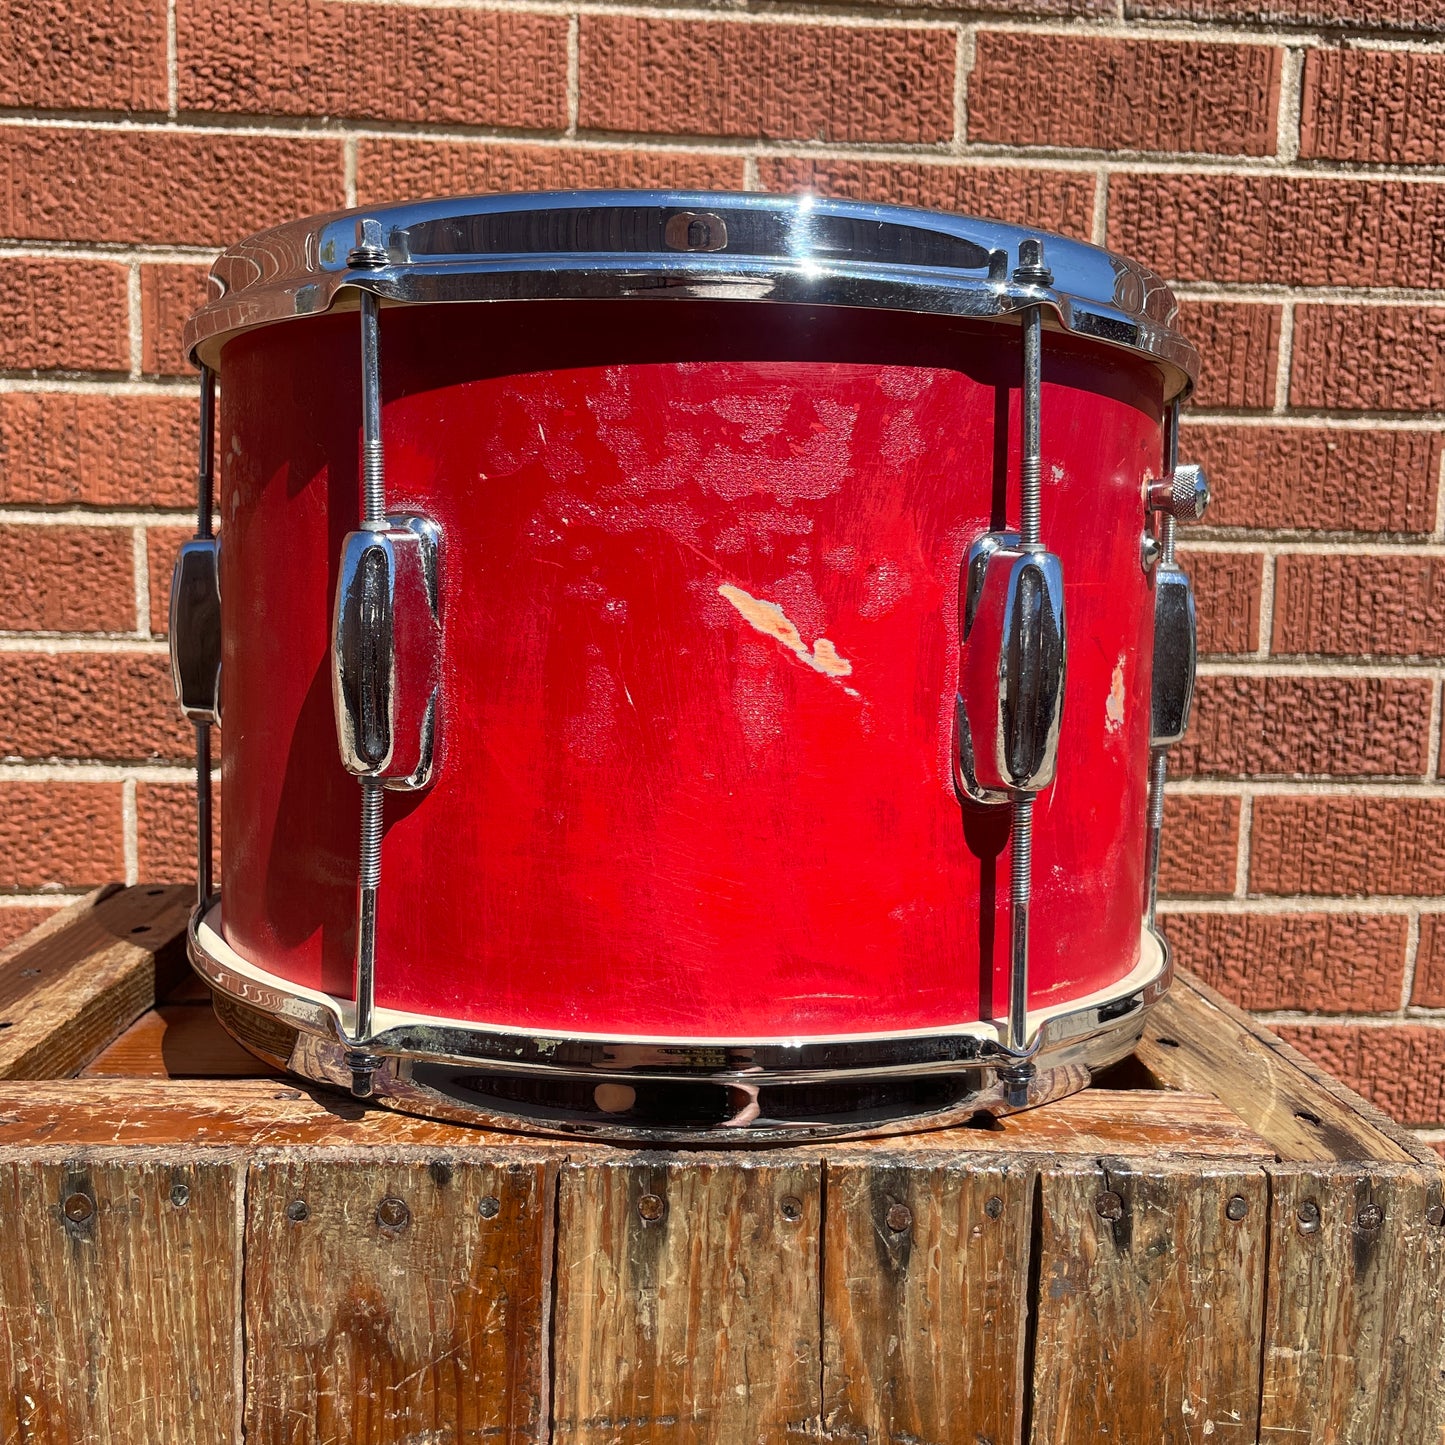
[120, 1328]
[1354, 1353]
[431, 1329]
[177, 1041]
[700, 1325]
[66, 992]
[1148, 1324]
[925, 1284]
[1197, 1042]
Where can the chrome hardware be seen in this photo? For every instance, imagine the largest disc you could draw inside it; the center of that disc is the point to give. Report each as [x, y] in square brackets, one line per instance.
[1183, 495]
[386, 653]
[573, 245]
[696, 231]
[1011, 674]
[195, 626]
[1149, 551]
[195, 631]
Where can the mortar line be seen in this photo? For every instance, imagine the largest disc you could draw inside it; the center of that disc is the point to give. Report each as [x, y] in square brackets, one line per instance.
[130, 841]
[964, 57]
[1412, 951]
[1266, 606]
[574, 71]
[1273, 1018]
[1285, 359]
[1265, 904]
[173, 66]
[1099, 221]
[349, 147]
[1439, 532]
[1289, 118]
[134, 322]
[85, 771]
[140, 558]
[39, 900]
[1242, 852]
[1432, 759]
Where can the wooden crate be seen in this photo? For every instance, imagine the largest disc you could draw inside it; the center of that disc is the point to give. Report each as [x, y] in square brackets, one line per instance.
[1216, 1244]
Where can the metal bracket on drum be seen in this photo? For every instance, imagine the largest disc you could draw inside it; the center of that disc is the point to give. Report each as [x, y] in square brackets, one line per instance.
[195, 632]
[1010, 700]
[1181, 495]
[386, 659]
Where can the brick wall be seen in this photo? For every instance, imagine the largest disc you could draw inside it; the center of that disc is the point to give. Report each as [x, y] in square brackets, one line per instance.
[1286, 176]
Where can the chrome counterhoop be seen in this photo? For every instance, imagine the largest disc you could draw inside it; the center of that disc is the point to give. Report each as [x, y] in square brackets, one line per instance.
[746, 1093]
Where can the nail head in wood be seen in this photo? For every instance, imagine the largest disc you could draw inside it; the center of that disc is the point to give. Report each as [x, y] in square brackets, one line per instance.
[651, 1207]
[1308, 1217]
[392, 1213]
[900, 1217]
[1435, 1215]
[180, 1195]
[297, 1211]
[78, 1208]
[490, 1207]
[1109, 1205]
[1371, 1216]
[994, 1207]
[1237, 1207]
[792, 1208]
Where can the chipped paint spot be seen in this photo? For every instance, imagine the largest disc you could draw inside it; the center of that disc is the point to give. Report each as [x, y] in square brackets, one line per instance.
[770, 619]
[1114, 705]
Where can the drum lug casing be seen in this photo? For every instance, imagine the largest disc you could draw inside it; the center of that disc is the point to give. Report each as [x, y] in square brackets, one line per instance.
[386, 652]
[1175, 653]
[1011, 670]
[195, 630]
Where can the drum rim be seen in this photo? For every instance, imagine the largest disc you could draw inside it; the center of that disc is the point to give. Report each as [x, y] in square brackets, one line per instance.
[1090, 1035]
[320, 263]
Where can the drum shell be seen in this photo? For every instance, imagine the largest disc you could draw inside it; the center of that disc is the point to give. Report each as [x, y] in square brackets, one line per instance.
[651, 817]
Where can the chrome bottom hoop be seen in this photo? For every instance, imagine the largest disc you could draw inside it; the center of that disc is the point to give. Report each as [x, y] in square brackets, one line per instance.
[734, 1095]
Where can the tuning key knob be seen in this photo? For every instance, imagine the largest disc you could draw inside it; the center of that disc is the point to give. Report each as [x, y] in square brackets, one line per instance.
[1184, 496]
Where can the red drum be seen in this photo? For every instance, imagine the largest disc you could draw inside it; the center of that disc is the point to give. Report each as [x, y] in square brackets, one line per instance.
[740, 717]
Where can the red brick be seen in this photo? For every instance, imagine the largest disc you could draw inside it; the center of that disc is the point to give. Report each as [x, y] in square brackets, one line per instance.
[1200, 847]
[18, 921]
[1317, 962]
[60, 449]
[1255, 725]
[1370, 358]
[166, 831]
[63, 315]
[1429, 988]
[1373, 105]
[67, 579]
[162, 545]
[60, 835]
[776, 82]
[1238, 352]
[1057, 200]
[1342, 846]
[109, 706]
[168, 295]
[1420, 15]
[1227, 594]
[1327, 479]
[1342, 606]
[1291, 230]
[1400, 1068]
[162, 187]
[398, 62]
[1140, 95]
[398, 167]
[83, 54]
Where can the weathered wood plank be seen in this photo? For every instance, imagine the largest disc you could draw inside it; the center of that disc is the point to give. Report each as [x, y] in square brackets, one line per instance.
[1150, 1301]
[66, 992]
[925, 1288]
[1196, 1041]
[1354, 1353]
[396, 1301]
[687, 1300]
[177, 1041]
[120, 1301]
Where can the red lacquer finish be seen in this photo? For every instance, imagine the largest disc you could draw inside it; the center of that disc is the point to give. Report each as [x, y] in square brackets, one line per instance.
[701, 589]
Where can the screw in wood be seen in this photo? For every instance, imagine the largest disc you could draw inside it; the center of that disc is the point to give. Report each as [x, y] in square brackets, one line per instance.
[1371, 1216]
[1308, 1217]
[1435, 1215]
[1237, 1207]
[1109, 1205]
[78, 1208]
[651, 1207]
[490, 1207]
[994, 1207]
[900, 1217]
[180, 1195]
[298, 1212]
[392, 1213]
[791, 1208]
